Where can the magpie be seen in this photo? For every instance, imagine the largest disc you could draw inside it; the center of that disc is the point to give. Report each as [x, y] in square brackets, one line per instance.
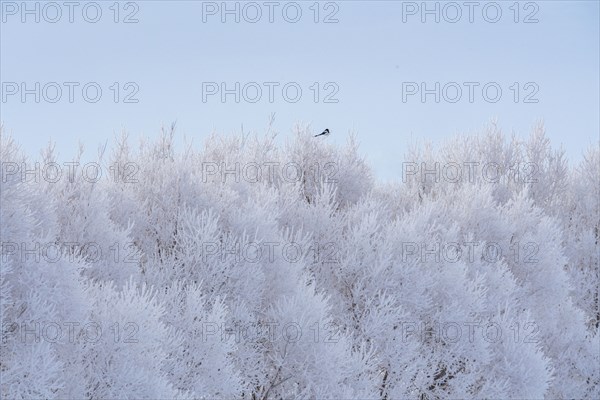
[324, 133]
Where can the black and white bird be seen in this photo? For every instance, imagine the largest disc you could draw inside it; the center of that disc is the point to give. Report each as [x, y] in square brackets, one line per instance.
[324, 133]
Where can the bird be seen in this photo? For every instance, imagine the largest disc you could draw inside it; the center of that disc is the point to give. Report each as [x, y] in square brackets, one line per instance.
[324, 133]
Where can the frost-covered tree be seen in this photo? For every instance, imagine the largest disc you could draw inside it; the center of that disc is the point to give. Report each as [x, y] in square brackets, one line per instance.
[257, 270]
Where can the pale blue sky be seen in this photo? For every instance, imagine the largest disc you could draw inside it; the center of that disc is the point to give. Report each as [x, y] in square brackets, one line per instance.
[368, 54]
